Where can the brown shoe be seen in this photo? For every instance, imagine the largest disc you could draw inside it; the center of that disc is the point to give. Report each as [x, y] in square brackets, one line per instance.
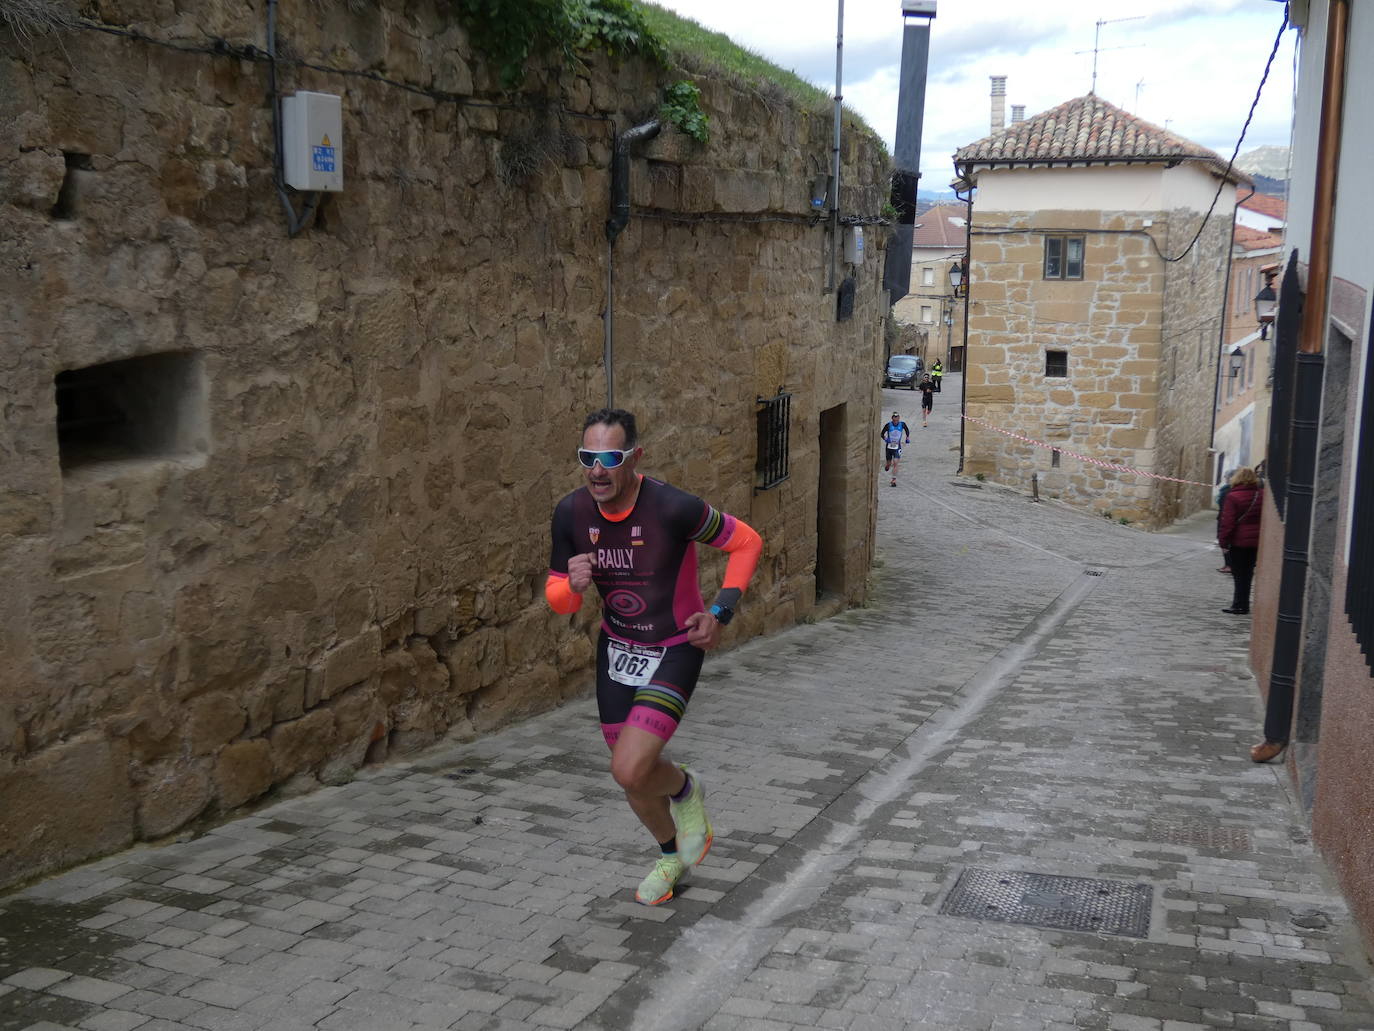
[1266, 752]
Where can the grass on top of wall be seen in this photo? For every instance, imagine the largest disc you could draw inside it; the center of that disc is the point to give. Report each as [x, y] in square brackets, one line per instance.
[698, 49]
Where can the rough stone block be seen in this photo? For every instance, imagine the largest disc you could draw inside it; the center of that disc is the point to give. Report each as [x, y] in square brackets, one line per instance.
[301, 744]
[515, 698]
[64, 804]
[211, 721]
[243, 771]
[358, 716]
[172, 793]
[33, 180]
[348, 664]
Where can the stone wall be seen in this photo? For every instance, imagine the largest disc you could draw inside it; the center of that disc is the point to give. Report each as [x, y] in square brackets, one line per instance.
[323, 538]
[1116, 326]
[1194, 307]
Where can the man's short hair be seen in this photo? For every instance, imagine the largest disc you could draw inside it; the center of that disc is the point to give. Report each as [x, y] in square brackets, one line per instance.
[614, 417]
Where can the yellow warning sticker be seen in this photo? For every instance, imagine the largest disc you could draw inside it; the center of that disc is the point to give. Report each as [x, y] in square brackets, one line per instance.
[325, 142]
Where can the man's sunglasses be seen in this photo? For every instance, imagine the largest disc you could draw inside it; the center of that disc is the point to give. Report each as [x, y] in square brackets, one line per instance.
[609, 459]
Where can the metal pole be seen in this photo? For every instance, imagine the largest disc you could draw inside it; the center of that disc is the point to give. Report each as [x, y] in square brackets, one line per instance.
[964, 365]
[948, 315]
[835, 155]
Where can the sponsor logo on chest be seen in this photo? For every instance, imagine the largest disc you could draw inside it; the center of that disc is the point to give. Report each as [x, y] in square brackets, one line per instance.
[615, 558]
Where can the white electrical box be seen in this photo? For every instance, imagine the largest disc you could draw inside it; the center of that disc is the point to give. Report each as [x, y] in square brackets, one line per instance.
[312, 141]
[854, 245]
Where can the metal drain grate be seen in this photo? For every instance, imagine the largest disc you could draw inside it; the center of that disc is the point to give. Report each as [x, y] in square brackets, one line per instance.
[1044, 900]
[1201, 835]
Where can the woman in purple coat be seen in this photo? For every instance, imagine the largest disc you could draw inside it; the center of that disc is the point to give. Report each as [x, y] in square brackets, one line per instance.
[1238, 533]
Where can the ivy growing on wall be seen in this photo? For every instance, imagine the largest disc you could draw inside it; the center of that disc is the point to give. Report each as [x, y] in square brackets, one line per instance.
[682, 108]
[510, 32]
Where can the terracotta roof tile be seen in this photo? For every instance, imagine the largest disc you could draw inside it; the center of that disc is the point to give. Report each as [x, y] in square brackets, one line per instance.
[1251, 239]
[1087, 128]
[940, 226]
[1266, 204]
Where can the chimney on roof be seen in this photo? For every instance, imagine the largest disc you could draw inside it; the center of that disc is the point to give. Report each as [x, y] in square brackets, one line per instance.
[1018, 113]
[999, 102]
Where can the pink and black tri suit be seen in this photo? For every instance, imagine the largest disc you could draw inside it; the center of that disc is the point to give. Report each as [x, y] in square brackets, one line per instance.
[646, 573]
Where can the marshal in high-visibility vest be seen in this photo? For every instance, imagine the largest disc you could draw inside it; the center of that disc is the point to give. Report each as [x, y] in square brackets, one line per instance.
[936, 371]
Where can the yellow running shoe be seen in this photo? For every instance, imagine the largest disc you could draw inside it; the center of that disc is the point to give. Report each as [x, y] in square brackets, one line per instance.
[694, 835]
[658, 886]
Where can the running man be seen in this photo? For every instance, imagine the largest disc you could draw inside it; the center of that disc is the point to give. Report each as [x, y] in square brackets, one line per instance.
[634, 539]
[928, 389]
[892, 434]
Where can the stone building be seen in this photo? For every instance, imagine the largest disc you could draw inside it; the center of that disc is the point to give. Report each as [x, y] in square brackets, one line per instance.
[932, 307]
[1098, 265]
[275, 504]
[1246, 370]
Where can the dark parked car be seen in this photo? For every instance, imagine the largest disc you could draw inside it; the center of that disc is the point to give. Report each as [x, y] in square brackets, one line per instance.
[903, 370]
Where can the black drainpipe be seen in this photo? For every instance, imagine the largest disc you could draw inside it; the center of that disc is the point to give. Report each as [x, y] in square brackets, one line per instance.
[620, 218]
[1307, 400]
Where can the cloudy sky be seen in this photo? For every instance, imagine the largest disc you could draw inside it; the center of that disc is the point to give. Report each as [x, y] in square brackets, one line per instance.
[1190, 65]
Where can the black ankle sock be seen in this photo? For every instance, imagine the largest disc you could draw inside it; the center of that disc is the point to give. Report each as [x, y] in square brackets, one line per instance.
[669, 847]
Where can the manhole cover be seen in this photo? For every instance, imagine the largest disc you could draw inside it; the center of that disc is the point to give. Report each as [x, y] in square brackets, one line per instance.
[1201, 835]
[1044, 900]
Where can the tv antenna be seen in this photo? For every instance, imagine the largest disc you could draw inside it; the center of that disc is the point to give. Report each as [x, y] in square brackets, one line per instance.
[1097, 38]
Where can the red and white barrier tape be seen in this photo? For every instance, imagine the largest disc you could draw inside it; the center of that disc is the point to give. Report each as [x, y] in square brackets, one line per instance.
[1082, 458]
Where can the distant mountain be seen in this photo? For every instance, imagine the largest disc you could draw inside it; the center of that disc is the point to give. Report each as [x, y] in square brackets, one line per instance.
[927, 199]
[1273, 187]
[1271, 162]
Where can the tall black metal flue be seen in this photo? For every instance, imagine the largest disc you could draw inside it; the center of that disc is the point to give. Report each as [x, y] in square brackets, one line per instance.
[911, 106]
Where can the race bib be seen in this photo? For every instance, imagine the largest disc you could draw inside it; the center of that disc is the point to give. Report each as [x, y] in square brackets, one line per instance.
[632, 664]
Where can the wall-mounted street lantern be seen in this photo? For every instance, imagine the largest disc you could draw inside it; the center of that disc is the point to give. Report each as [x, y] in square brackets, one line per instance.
[1237, 361]
[956, 278]
[1265, 301]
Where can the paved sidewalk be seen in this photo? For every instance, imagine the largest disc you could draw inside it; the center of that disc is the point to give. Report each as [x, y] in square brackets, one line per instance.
[1032, 692]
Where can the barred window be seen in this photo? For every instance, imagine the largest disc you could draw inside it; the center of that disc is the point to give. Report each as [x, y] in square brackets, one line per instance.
[1063, 257]
[1359, 585]
[1056, 363]
[774, 418]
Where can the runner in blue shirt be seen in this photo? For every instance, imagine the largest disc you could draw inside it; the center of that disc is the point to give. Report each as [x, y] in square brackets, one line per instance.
[894, 434]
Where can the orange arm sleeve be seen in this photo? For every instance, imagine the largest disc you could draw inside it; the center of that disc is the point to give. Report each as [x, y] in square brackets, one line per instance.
[744, 548]
[562, 598]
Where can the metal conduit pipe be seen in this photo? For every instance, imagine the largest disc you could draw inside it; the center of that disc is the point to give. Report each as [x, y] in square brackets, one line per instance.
[294, 223]
[615, 225]
[1307, 401]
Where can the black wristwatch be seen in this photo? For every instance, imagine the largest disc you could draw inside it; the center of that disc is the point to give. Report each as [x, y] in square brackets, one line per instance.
[723, 614]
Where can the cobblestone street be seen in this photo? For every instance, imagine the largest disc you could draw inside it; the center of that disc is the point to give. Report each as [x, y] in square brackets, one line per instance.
[1032, 691]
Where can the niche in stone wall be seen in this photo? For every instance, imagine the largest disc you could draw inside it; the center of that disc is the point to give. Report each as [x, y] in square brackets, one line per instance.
[146, 408]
